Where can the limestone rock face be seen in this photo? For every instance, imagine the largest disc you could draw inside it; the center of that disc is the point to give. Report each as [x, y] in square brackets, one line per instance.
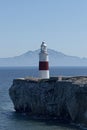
[66, 99]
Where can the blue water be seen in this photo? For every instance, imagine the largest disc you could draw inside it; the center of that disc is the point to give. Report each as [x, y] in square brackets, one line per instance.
[9, 119]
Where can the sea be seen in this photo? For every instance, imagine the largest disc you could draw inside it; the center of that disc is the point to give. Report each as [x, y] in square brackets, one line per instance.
[10, 120]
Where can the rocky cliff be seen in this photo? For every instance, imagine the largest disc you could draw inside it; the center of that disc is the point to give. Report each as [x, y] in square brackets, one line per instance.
[64, 99]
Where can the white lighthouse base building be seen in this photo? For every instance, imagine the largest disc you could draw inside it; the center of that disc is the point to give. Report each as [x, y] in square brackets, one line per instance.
[44, 74]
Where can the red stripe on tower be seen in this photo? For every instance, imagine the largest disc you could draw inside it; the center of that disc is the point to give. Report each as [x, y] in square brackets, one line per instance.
[43, 65]
[43, 62]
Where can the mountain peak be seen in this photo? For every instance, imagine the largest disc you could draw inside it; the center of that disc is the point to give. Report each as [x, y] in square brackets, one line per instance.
[31, 58]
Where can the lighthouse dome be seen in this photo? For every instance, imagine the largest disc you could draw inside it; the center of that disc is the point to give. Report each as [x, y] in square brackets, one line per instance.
[43, 44]
[43, 47]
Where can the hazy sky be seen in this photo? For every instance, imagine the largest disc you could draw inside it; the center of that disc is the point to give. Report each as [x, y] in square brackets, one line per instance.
[24, 24]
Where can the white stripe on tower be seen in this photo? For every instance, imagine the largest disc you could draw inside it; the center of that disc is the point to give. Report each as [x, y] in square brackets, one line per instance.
[43, 62]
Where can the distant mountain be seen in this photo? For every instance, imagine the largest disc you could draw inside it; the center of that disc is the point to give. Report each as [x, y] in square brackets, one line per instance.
[31, 58]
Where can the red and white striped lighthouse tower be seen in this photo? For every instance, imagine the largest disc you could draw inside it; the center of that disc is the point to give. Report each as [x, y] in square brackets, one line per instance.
[43, 62]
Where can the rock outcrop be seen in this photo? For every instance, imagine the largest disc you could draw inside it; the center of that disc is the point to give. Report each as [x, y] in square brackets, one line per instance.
[65, 99]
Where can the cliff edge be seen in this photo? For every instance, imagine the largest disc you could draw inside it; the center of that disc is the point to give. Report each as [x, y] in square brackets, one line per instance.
[64, 99]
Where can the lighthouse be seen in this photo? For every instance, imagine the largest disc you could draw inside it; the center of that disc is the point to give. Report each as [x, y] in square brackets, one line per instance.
[43, 62]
